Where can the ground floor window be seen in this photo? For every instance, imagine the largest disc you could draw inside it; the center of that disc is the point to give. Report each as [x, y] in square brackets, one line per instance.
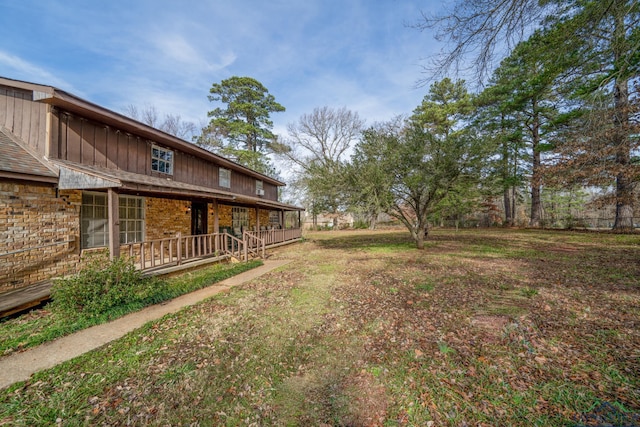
[239, 218]
[131, 219]
[94, 219]
[274, 218]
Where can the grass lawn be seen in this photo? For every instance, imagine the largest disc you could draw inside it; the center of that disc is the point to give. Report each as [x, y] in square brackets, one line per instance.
[40, 326]
[483, 327]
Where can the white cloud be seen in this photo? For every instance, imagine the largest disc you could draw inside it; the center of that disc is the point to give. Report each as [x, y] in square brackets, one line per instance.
[13, 65]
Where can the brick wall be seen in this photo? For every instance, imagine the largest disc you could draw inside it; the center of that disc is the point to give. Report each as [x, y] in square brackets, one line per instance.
[264, 218]
[31, 216]
[166, 218]
[224, 215]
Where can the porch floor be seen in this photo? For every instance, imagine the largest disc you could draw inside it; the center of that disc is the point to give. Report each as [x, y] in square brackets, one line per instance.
[24, 298]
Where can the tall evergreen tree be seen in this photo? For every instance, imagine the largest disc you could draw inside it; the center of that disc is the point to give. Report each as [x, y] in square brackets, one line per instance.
[602, 40]
[241, 129]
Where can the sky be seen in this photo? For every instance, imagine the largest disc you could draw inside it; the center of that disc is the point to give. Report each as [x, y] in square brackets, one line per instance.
[359, 54]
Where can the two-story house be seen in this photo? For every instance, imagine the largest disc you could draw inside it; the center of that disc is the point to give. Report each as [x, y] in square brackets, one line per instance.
[77, 177]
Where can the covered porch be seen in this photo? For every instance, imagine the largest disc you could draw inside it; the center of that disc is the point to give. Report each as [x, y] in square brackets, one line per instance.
[160, 222]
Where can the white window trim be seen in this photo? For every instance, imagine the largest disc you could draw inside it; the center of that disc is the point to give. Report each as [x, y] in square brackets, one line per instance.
[125, 221]
[158, 159]
[103, 223]
[227, 178]
[239, 218]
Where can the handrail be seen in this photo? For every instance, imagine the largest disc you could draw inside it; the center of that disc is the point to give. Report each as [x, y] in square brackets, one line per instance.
[253, 244]
[229, 249]
[278, 235]
[37, 247]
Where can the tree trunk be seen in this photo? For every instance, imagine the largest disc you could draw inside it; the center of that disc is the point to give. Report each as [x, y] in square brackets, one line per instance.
[418, 236]
[373, 222]
[536, 203]
[624, 185]
[508, 215]
[513, 204]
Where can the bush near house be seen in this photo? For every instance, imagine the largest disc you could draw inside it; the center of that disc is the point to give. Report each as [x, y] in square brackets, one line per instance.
[101, 292]
[102, 285]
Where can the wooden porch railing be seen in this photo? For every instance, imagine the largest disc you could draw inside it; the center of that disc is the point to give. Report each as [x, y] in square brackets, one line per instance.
[273, 237]
[179, 249]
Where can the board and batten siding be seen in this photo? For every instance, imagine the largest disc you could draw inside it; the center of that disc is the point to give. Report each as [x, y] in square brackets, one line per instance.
[83, 141]
[23, 117]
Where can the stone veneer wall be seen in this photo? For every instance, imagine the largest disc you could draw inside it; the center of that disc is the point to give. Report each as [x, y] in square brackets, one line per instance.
[166, 218]
[264, 218]
[224, 215]
[31, 216]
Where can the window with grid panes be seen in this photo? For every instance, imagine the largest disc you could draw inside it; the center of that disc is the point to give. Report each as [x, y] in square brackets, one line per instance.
[161, 160]
[274, 218]
[239, 218]
[94, 220]
[131, 219]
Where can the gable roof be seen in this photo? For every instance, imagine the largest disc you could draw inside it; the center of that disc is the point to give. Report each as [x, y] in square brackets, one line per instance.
[17, 161]
[74, 104]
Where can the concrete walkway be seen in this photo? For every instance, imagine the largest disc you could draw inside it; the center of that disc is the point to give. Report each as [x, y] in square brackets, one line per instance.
[20, 366]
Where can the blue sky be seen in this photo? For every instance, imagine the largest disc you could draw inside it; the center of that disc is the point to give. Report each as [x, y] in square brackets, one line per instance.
[359, 54]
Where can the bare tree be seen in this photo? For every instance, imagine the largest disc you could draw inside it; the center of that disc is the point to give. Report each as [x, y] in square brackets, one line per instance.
[473, 29]
[316, 147]
[172, 124]
[323, 136]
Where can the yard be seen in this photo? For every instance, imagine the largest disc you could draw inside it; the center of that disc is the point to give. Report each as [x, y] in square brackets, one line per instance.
[483, 327]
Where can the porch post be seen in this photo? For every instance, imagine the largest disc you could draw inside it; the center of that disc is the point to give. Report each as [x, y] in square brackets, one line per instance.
[216, 218]
[216, 226]
[257, 218]
[300, 220]
[114, 224]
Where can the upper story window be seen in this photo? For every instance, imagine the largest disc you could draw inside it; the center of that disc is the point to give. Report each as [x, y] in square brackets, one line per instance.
[259, 188]
[224, 178]
[161, 160]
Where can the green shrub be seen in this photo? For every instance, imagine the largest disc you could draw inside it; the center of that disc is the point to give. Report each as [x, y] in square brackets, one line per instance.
[100, 286]
[360, 224]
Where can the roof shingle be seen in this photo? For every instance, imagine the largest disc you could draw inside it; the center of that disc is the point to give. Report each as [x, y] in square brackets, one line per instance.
[14, 158]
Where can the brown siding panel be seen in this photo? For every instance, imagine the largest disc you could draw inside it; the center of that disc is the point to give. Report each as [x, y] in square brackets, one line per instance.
[4, 97]
[16, 126]
[54, 131]
[25, 121]
[112, 148]
[88, 135]
[141, 155]
[123, 147]
[109, 147]
[100, 135]
[74, 145]
[62, 132]
[270, 191]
